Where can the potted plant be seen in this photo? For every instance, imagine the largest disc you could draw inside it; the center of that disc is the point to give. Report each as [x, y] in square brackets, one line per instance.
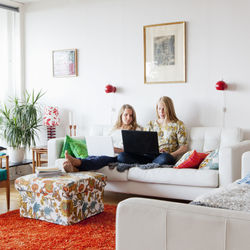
[20, 123]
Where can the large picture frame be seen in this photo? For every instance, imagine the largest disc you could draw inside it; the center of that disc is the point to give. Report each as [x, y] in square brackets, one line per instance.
[165, 53]
[64, 62]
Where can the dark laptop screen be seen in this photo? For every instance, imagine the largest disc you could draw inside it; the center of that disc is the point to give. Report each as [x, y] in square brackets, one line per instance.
[140, 142]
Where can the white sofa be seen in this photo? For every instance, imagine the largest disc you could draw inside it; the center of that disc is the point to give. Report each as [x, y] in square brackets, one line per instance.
[143, 224]
[184, 184]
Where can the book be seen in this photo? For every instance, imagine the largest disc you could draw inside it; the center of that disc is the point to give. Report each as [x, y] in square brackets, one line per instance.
[48, 171]
[48, 174]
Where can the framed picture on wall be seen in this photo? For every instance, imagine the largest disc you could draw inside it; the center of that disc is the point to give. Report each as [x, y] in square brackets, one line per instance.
[64, 62]
[165, 53]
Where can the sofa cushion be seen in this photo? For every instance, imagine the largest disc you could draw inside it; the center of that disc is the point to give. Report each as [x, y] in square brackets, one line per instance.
[112, 174]
[79, 148]
[234, 196]
[205, 139]
[75, 147]
[191, 159]
[66, 146]
[211, 161]
[245, 180]
[188, 177]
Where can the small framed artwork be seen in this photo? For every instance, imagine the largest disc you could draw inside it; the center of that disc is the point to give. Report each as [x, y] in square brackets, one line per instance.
[165, 53]
[64, 62]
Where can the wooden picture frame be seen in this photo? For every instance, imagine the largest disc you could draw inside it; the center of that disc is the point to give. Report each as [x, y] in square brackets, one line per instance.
[64, 63]
[165, 53]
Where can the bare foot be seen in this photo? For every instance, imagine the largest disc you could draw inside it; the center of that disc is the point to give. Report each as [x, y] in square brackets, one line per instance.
[75, 162]
[69, 168]
[71, 163]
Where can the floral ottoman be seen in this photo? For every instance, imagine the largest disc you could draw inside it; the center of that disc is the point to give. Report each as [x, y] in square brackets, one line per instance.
[64, 200]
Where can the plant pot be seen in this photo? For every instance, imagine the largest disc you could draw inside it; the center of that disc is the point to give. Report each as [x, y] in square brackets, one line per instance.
[16, 155]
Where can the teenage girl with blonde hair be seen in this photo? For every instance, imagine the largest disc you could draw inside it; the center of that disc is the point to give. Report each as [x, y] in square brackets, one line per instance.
[126, 120]
[120, 123]
[172, 136]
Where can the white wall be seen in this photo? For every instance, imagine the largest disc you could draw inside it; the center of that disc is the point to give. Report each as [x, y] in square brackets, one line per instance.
[109, 37]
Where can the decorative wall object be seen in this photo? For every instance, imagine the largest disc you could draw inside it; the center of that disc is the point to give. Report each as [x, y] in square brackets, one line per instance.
[165, 52]
[221, 85]
[110, 89]
[64, 62]
[51, 120]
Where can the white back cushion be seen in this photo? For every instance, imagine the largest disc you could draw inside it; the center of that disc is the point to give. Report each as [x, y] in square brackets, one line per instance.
[204, 139]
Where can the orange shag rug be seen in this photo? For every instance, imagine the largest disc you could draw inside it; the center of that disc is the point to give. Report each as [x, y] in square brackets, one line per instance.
[96, 232]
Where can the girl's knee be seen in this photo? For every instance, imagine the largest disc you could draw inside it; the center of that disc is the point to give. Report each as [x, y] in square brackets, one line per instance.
[121, 157]
[165, 158]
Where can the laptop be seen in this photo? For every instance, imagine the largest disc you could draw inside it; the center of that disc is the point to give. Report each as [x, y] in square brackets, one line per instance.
[100, 145]
[140, 142]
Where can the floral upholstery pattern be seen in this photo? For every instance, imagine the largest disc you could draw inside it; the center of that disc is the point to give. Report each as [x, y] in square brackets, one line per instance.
[171, 137]
[211, 161]
[64, 200]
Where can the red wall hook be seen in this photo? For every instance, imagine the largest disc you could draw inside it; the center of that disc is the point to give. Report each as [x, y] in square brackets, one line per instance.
[221, 85]
[110, 89]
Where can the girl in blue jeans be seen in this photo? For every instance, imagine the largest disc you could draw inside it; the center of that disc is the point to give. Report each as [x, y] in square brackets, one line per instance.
[126, 121]
[171, 133]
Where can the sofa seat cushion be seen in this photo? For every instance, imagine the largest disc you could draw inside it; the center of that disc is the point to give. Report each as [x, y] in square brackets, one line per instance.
[112, 174]
[184, 177]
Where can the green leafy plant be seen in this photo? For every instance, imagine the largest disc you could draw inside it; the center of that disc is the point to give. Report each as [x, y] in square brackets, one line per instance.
[21, 120]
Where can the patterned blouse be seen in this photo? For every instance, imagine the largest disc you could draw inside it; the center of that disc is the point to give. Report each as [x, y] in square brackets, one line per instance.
[170, 137]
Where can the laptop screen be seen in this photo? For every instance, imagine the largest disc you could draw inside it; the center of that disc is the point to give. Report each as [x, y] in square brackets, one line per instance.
[100, 145]
[140, 142]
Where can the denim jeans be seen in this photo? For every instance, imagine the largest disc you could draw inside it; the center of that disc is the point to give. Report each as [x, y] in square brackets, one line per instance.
[96, 162]
[161, 159]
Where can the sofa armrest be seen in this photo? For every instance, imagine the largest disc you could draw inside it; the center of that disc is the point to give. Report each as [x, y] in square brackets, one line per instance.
[245, 167]
[143, 224]
[55, 148]
[230, 162]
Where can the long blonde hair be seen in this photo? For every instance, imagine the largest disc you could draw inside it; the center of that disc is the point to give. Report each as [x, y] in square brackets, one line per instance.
[119, 123]
[170, 111]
